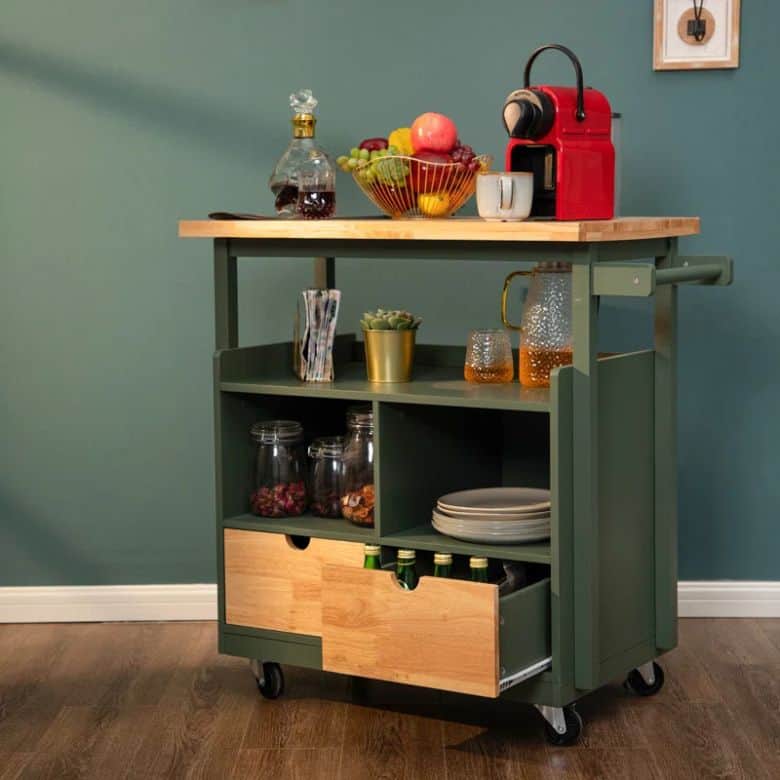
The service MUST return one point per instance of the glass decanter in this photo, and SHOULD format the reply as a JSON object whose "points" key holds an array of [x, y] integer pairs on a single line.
{"points": [[304, 180]]}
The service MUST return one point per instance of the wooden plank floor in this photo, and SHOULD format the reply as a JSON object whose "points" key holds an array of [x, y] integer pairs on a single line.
{"points": [[135, 700]]}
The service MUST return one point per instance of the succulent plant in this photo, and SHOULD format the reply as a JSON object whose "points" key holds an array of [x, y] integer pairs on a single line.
{"points": [[389, 320]]}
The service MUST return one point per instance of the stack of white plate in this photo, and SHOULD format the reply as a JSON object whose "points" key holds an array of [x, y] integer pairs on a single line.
{"points": [[500, 515]]}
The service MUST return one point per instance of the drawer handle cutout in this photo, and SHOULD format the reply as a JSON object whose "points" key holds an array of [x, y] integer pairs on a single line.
{"points": [[298, 542], [401, 587]]}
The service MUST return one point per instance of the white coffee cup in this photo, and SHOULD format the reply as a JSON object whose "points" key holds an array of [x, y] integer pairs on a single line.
{"points": [[505, 195]]}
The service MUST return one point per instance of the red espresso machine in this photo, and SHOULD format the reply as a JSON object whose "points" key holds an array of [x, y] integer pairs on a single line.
{"points": [[563, 135]]}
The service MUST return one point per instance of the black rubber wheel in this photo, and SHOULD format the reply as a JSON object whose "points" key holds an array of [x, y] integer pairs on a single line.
{"points": [[573, 729], [272, 684], [636, 683]]}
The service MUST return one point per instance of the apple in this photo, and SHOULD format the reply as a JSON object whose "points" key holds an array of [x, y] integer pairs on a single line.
{"points": [[433, 133], [428, 177]]}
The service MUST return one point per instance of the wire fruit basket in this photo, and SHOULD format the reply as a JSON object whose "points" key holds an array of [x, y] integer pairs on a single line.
{"points": [[404, 186]]}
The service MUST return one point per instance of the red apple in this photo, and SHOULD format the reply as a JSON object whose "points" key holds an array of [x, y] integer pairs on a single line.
{"points": [[427, 177], [433, 133]]}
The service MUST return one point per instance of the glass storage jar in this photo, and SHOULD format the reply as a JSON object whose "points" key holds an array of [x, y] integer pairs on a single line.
{"points": [[280, 469], [358, 497], [325, 476]]}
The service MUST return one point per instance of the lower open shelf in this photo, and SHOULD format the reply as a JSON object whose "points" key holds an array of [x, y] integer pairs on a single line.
{"points": [[421, 537], [426, 537], [305, 525]]}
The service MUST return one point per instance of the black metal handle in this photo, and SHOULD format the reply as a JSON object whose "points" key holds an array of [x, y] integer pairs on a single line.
{"points": [[580, 115]]}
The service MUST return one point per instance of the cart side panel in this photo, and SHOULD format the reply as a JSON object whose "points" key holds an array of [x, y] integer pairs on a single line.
{"points": [[562, 540], [232, 418], [626, 508]]}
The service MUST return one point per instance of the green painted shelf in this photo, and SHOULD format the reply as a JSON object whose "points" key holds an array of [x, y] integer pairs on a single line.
{"points": [[305, 525], [431, 385], [421, 537], [426, 537]]}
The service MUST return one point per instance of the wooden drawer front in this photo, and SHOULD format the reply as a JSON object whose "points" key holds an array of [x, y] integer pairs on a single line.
{"points": [[443, 634], [270, 583]]}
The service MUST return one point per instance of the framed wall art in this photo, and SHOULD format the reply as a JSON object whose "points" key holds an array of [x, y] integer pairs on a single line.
{"points": [[696, 34]]}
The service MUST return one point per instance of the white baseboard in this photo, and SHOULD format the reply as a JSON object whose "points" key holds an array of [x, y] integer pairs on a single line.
{"points": [[99, 603], [726, 598], [103, 603]]}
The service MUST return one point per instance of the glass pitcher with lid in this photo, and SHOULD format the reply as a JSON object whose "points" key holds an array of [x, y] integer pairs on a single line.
{"points": [[546, 326]]}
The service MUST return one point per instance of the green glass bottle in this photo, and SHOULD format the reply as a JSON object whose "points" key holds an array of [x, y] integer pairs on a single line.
{"points": [[442, 564], [406, 570], [371, 557], [479, 569]]}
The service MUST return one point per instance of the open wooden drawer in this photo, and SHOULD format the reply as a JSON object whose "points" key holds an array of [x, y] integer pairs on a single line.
{"points": [[271, 583], [454, 635]]}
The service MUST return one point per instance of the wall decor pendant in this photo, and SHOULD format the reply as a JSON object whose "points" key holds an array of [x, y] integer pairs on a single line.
{"points": [[696, 34], [696, 25]]}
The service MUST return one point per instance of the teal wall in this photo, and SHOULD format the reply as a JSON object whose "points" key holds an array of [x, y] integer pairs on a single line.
{"points": [[118, 118]]}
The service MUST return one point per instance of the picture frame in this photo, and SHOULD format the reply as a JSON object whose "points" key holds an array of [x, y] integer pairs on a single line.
{"points": [[681, 42]]}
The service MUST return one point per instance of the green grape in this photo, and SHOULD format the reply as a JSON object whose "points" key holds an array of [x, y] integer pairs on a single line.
{"points": [[392, 172], [352, 163], [354, 152], [363, 154], [342, 161], [375, 154]]}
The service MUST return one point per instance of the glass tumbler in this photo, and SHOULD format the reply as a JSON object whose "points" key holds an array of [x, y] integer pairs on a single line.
{"points": [[489, 357]]}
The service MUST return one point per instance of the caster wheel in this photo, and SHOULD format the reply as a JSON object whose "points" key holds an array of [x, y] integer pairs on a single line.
{"points": [[573, 729], [637, 684], [271, 684]]}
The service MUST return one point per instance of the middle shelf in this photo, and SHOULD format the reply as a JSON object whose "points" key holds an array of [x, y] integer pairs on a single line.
{"points": [[437, 381]]}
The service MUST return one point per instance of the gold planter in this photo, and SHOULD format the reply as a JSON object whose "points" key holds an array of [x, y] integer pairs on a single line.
{"points": [[389, 355]]}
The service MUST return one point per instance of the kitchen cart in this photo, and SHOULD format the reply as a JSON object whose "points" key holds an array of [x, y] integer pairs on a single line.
{"points": [[602, 602]]}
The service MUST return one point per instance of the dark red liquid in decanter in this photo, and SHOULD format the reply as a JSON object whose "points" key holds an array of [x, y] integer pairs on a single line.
{"points": [[316, 205], [313, 204], [286, 196]]}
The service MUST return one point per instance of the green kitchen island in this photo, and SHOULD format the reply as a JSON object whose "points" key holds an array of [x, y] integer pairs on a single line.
{"points": [[602, 598]]}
